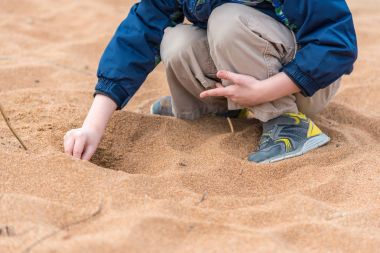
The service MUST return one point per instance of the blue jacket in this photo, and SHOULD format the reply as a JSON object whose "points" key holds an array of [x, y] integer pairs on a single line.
{"points": [[324, 31]]}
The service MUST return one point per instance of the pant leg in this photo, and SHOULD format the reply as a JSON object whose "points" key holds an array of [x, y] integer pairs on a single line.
{"points": [[313, 105], [190, 70], [246, 41]]}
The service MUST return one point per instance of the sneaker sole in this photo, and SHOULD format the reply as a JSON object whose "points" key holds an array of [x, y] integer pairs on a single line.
{"points": [[313, 143], [151, 109]]}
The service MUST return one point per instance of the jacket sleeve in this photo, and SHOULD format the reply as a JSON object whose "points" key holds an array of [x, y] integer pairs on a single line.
{"points": [[134, 49], [328, 47]]}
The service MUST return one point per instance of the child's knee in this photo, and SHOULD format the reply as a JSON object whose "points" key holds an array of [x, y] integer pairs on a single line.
{"points": [[223, 26], [178, 43]]}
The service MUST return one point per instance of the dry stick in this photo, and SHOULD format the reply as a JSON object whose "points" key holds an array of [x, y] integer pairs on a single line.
{"points": [[10, 127], [204, 197], [67, 226], [231, 126]]}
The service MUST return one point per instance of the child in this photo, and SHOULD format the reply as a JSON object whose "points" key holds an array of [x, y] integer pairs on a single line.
{"points": [[281, 60]]}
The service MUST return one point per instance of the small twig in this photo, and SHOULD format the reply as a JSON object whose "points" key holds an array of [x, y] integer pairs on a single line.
{"points": [[231, 126], [241, 171], [7, 231], [190, 228], [10, 127], [65, 227], [204, 197]]}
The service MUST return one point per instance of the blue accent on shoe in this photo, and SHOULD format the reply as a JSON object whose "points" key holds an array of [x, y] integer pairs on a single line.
{"points": [[162, 106]]}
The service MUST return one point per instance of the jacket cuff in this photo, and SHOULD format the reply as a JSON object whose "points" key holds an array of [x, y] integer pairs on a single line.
{"points": [[307, 84], [112, 90]]}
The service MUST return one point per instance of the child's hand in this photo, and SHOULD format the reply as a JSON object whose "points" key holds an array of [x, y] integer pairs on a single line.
{"points": [[242, 91], [82, 142], [248, 91]]}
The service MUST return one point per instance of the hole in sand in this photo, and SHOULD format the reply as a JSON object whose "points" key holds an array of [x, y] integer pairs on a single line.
{"points": [[145, 144]]}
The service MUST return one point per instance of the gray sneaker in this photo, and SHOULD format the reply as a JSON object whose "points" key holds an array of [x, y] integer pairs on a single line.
{"points": [[289, 135], [162, 106]]}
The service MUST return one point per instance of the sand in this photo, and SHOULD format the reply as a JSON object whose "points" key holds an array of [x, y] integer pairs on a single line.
{"points": [[166, 185]]}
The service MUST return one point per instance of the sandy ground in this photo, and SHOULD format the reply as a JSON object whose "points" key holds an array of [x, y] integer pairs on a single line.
{"points": [[165, 185]]}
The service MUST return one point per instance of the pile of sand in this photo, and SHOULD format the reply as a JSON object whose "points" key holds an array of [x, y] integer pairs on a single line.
{"points": [[165, 185]]}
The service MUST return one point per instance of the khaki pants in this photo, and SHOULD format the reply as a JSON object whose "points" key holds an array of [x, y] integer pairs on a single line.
{"points": [[239, 39]]}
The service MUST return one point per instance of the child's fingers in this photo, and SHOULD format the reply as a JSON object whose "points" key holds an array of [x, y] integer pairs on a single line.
{"points": [[78, 147], [68, 145], [88, 152], [227, 75], [217, 92], [235, 78]]}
